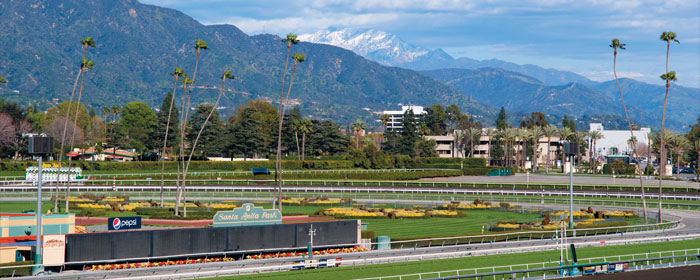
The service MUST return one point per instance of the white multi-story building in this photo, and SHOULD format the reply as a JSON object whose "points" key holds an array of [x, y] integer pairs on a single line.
{"points": [[617, 139], [395, 117]]}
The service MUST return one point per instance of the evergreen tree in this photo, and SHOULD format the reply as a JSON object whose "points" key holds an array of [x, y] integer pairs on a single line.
{"points": [[209, 143], [158, 133], [409, 134], [501, 122]]}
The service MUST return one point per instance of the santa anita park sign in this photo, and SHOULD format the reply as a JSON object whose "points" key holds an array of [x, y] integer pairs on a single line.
{"points": [[247, 215]]}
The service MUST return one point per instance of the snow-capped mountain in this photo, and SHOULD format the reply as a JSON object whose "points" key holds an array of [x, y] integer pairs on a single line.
{"points": [[389, 49], [373, 44]]}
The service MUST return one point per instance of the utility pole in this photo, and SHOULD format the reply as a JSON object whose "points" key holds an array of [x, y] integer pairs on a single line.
{"points": [[39, 145]]}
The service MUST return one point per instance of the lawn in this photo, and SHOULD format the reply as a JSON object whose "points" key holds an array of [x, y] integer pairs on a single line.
{"points": [[469, 262]]}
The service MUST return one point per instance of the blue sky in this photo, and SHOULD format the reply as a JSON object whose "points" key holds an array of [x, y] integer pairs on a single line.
{"points": [[563, 34]]}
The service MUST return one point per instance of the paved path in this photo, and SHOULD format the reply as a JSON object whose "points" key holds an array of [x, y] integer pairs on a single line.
{"points": [[541, 178]]}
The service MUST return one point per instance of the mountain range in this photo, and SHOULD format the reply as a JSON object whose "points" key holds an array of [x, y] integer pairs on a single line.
{"points": [[138, 46], [521, 88]]}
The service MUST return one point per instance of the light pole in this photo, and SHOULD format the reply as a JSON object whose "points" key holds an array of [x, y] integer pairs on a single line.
{"points": [[39, 145]]}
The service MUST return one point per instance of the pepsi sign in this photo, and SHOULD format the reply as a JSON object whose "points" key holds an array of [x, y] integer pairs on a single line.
{"points": [[123, 223]]}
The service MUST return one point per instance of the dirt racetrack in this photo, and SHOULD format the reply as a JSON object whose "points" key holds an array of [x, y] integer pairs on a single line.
{"points": [[686, 272]]}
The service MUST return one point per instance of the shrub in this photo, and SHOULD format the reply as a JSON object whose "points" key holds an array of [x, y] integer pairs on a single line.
{"points": [[367, 234]]}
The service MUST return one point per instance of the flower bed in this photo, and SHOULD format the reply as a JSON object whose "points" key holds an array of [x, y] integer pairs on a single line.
{"points": [[315, 201], [224, 259], [389, 213]]}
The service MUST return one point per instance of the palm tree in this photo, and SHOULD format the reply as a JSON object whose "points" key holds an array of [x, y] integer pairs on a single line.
{"points": [[305, 127], [176, 74], [86, 42], [291, 39], [296, 128], [298, 58], [535, 134], [84, 65], [617, 45], [549, 131], [357, 127], [508, 135], [105, 112], [459, 142], [199, 45], [183, 127], [666, 36], [679, 143], [564, 134], [472, 133], [489, 132], [225, 76], [594, 135], [385, 119], [522, 135]]}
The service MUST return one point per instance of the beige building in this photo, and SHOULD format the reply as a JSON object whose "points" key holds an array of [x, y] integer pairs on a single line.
{"points": [[447, 147]]}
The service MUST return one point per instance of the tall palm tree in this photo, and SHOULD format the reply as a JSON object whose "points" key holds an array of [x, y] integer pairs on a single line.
{"points": [[666, 36], [535, 134], [472, 133], [549, 131], [564, 134], [305, 127], [176, 74], [183, 127], [291, 39], [668, 77], [105, 112], [508, 136], [199, 45], [490, 133], [617, 45], [357, 127], [225, 76], [594, 135], [84, 65], [85, 42], [298, 58]]}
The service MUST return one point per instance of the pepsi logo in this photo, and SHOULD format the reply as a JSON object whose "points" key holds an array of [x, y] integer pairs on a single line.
{"points": [[116, 223]]}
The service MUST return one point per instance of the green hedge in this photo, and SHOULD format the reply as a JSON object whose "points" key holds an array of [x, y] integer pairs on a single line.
{"points": [[482, 171], [194, 165], [467, 162], [626, 169]]}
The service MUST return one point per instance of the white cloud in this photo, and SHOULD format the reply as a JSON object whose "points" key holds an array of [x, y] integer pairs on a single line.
{"points": [[309, 24]]}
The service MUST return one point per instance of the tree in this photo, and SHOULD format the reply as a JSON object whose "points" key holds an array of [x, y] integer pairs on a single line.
{"points": [[183, 129], [305, 127], [409, 133], [564, 134], [459, 136], [425, 148], [490, 133], [170, 97], [209, 134], [84, 65], [617, 45], [472, 133], [357, 127], [679, 144], [549, 131], [138, 121], [535, 119], [436, 120], [594, 136], [225, 76], [385, 119], [535, 133], [290, 39], [7, 129], [666, 36], [501, 122]]}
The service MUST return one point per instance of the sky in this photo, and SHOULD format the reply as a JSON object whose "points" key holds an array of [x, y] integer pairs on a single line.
{"points": [[562, 34]]}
